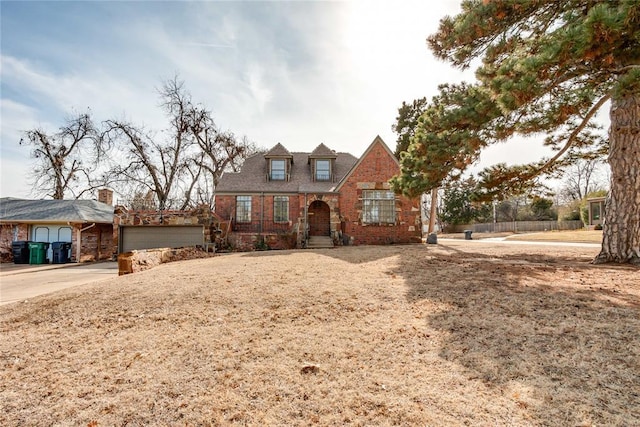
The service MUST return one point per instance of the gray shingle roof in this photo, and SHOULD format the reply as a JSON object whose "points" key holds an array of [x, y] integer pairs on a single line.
{"points": [[278, 151], [323, 151], [253, 176], [20, 210]]}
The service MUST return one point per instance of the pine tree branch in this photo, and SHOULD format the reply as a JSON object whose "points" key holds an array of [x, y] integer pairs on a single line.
{"points": [[625, 69], [572, 138]]}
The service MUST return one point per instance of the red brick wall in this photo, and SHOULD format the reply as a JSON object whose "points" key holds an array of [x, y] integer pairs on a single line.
{"points": [[96, 243], [6, 239], [373, 173], [225, 207], [282, 236]]}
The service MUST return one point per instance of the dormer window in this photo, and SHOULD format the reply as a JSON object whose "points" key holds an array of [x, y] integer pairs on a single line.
{"points": [[322, 161], [278, 170], [323, 170], [278, 164]]}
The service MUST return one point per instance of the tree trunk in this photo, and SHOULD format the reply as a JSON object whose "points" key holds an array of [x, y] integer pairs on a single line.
{"points": [[433, 211], [621, 229]]}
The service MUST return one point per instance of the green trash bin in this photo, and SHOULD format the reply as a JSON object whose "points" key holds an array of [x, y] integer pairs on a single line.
{"points": [[38, 252]]}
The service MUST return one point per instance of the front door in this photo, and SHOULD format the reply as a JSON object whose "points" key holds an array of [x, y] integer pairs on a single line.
{"points": [[319, 219]]}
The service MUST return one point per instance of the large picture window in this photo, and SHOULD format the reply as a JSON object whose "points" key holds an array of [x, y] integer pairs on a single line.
{"points": [[281, 209], [323, 170], [378, 206], [278, 170], [243, 208]]}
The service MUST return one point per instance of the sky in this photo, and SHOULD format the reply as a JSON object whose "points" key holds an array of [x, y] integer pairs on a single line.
{"points": [[296, 72]]}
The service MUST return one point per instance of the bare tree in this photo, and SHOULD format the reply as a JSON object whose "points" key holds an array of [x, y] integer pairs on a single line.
{"points": [[185, 166], [219, 151], [582, 178], [66, 161], [146, 163], [149, 162]]}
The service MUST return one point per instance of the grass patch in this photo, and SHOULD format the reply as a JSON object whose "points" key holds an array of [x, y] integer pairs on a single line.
{"points": [[448, 334], [574, 236]]}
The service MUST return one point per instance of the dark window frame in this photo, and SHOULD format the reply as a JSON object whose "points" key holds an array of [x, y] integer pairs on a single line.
{"points": [[326, 176], [281, 173], [378, 207], [280, 209], [243, 209]]}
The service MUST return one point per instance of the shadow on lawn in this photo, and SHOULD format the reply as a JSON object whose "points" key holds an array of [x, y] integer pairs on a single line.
{"points": [[561, 335], [558, 334]]}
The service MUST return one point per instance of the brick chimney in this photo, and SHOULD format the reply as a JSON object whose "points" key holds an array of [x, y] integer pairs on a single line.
{"points": [[105, 196]]}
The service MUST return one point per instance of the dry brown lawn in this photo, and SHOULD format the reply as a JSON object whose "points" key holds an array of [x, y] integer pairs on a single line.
{"points": [[577, 236], [571, 236], [462, 333]]}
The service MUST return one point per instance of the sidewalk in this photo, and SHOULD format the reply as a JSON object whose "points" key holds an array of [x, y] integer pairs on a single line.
{"points": [[8, 269], [20, 282], [502, 240]]}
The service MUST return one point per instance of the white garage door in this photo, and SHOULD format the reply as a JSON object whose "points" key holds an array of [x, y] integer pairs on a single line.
{"points": [[50, 233], [134, 237]]}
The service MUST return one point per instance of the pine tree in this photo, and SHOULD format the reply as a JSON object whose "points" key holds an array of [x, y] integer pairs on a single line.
{"points": [[547, 68]]}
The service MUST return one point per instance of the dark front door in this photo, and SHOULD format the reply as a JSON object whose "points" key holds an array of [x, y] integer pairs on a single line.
{"points": [[319, 219]]}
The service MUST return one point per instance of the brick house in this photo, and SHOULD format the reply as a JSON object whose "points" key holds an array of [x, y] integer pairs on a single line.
{"points": [[283, 199], [86, 224]]}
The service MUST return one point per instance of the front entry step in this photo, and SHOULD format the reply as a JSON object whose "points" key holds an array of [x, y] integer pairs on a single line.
{"points": [[319, 242]]}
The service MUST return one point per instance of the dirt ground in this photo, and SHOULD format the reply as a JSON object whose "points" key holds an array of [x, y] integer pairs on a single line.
{"points": [[459, 333]]}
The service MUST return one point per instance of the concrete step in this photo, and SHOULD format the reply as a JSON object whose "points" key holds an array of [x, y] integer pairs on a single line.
{"points": [[319, 242]]}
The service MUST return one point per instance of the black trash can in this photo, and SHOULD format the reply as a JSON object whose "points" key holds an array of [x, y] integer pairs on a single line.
{"points": [[60, 252], [20, 251], [432, 239], [467, 234]]}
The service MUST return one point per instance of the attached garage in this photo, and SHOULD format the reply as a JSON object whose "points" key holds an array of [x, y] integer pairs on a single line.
{"points": [[86, 224], [136, 237], [51, 233]]}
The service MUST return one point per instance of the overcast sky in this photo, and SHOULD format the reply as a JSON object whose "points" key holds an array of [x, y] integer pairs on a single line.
{"points": [[298, 73]]}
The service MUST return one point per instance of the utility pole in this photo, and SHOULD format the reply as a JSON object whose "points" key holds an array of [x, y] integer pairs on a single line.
{"points": [[432, 212]]}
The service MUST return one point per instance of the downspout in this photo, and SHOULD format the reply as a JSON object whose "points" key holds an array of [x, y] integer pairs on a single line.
{"points": [[306, 220], [78, 244], [261, 212]]}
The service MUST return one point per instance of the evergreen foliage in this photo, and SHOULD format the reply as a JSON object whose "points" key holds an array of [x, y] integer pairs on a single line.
{"points": [[546, 69]]}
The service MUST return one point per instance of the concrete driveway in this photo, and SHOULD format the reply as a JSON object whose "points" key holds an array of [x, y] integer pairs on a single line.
{"points": [[19, 282]]}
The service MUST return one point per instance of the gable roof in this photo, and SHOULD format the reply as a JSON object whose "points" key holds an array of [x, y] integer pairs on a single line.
{"points": [[278, 151], [376, 141], [252, 177], [20, 210], [322, 151]]}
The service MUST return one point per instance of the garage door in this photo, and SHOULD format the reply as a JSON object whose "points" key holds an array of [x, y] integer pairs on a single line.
{"points": [[161, 236], [50, 233]]}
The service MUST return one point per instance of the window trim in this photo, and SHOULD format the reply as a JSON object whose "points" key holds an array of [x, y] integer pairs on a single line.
{"points": [[328, 176], [284, 170], [284, 200], [246, 209], [383, 202]]}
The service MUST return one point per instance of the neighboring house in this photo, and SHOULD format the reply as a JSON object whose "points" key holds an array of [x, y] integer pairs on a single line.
{"points": [[285, 198], [86, 224], [596, 211]]}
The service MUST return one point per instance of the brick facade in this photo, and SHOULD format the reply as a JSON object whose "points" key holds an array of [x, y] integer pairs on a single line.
{"points": [[373, 172], [343, 196], [96, 243], [10, 233]]}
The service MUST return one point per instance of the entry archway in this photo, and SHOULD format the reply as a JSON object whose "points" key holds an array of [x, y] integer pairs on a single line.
{"points": [[319, 215]]}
